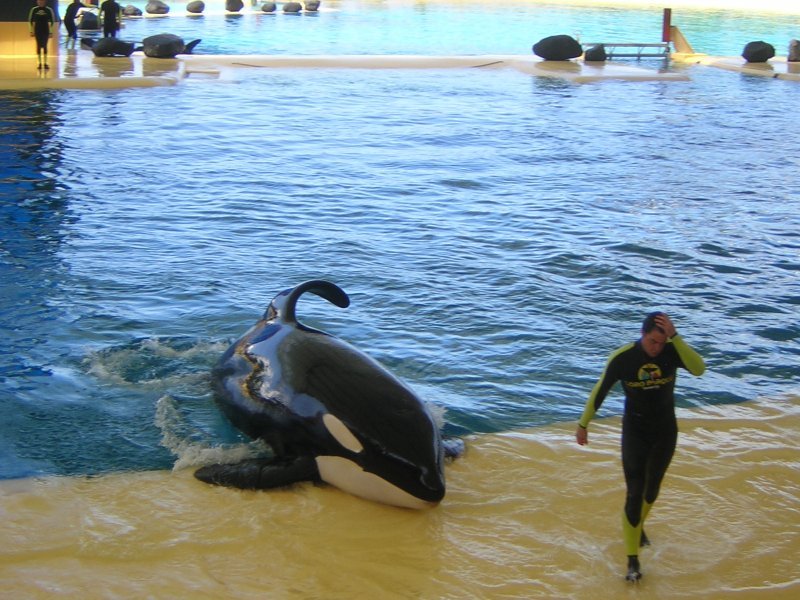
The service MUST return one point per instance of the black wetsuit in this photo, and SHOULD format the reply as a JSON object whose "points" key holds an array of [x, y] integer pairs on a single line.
{"points": [[649, 426], [41, 19], [111, 13], [69, 19]]}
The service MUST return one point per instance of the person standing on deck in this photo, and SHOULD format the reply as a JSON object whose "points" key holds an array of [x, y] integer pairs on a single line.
{"points": [[42, 20], [70, 16], [647, 370], [111, 15]]}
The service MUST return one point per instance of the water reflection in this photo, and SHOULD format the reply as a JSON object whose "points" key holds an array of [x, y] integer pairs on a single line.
{"points": [[34, 213], [160, 67], [117, 66], [69, 61]]}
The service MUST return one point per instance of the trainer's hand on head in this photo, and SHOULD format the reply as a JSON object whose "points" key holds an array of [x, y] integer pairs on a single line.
{"points": [[665, 323], [582, 435]]}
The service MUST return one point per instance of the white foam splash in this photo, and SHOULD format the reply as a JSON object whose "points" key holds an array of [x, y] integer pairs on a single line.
{"points": [[191, 453], [113, 364], [160, 348], [438, 412]]}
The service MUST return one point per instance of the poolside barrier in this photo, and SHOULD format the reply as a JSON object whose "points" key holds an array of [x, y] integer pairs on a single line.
{"points": [[600, 51]]}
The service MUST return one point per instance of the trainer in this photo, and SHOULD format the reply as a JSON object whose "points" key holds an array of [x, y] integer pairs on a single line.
{"points": [[647, 370], [41, 20]]}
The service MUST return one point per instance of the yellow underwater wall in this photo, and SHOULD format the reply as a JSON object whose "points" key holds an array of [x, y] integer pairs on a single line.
{"points": [[528, 514]]}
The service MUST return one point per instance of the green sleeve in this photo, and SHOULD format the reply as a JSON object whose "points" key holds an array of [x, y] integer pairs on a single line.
{"points": [[591, 406], [692, 361], [601, 388]]}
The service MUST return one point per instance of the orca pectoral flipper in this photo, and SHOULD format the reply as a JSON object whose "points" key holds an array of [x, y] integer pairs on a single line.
{"points": [[260, 473]]}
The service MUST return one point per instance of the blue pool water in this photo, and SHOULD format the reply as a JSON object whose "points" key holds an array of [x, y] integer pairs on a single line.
{"points": [[441, 27], [498, 234]]}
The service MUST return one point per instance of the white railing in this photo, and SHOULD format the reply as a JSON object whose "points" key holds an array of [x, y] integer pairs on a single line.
{"points": [[632, 50]]}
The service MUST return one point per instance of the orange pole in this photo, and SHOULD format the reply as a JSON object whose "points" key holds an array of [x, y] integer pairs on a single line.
{"points": [[665, 26]]}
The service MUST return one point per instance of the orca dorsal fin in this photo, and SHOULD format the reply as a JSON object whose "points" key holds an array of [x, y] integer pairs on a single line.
{"points": [[283, 306], [190, 46]]}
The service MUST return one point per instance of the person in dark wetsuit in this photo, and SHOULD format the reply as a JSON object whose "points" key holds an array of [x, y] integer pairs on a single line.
{"points": [[647, 369], [42, 20], [69, 20], [111, 14]]}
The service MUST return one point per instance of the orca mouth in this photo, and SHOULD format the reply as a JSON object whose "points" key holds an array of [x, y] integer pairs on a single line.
{"points": [[429, 491], [429, 486], [421, 481], [377, 486], [433, 495]]}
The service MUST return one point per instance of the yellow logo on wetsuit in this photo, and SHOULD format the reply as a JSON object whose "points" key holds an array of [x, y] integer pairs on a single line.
{"points": [[650, 376]]}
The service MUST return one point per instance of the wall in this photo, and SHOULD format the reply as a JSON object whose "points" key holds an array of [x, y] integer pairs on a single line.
{"points": [[15, 39]]}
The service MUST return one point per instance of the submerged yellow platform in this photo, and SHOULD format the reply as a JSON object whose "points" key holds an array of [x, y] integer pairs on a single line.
{"points": [[79, 69]]}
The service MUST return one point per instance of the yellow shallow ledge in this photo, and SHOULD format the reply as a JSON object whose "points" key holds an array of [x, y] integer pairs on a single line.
{"points": [[528, 514], [81, 69]]}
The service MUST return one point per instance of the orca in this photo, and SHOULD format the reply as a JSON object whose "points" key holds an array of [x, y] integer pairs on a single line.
{"points": [[111, 47], [166, 45], [329, 412]]}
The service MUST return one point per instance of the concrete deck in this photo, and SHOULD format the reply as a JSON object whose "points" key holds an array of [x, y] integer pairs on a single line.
{"points": [[777, 68], [80, 69]]}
